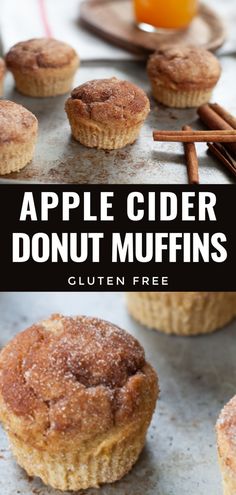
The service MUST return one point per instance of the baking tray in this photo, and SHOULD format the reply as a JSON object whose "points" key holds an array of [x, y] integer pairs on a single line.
{"points": [[197, 377], [60, 159]]}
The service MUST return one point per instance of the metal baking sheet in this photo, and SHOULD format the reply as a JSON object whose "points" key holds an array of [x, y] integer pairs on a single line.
{"points": [[197, 377], [60, 159]]}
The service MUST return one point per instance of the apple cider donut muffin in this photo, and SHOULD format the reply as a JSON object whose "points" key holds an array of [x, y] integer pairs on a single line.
{"points": [[183, 76], [76, 399], [226, 442], [107, 113], [42, 66], [18, 133], [183, 313], [2, 75]]}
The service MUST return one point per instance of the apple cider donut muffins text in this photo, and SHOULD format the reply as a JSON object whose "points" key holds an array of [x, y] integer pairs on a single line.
{"points": [[183, 77], [42, 66], [76, 399], [2, 75], [18, 133], [107, 113], [226, 441], [183, 313]]}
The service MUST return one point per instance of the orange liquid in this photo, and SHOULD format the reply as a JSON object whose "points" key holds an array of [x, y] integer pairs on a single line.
{"points": [[170, 14]]}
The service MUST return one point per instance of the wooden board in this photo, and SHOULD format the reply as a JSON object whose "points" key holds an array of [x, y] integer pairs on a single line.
{"points": [[113, 20]]}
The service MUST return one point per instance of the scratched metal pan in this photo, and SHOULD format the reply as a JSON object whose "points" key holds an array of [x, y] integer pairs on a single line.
{"points": [[60, 159], [197, 376]]}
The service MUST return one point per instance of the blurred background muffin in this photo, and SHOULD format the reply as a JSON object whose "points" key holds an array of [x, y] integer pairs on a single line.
{"points": [[42, 66], [182, 313], [183, 76], [2, 75]]}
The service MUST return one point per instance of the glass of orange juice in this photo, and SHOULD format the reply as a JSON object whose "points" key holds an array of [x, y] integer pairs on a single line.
{"points": [[153, 15]]}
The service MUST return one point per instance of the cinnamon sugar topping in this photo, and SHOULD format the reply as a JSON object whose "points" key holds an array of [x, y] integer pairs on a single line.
{"points": [[17, 124], [40, 53], [110, 99], [79, 372]]}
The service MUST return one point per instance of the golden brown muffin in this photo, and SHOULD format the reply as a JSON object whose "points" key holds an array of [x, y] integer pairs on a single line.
{"points": [[182, 313], [2, 75], [18, 134], [76, 399], [42, 66], [183, 76], [226, 440], [107, 113]]}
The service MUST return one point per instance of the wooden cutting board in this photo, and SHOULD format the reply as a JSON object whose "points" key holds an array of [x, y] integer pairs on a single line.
{"points": [[113, 20]]}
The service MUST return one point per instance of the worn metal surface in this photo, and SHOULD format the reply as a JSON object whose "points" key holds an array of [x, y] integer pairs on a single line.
{"points": [[197, 376], [59, 158]]}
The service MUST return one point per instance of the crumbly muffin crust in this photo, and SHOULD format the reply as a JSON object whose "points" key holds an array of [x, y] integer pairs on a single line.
{"points": [[73, 376], [17, 124], [40, 53], [109, 100], [226, 433], [185, 68]]}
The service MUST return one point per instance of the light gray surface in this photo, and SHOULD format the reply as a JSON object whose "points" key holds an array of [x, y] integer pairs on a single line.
{"points": [[59, 158], [197, 376]]}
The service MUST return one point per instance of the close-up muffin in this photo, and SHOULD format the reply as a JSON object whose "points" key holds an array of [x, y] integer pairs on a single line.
{"points": [[42, 66], [107, 113], [2, 75], [183, 77], [18, 134], [76, 399], [182, 313], [226, 443]]}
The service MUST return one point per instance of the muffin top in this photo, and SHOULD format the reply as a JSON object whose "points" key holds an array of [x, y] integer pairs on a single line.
{"points": [[73, 375], [226, 432], [40, 53], [2, 67], [17, 123], [184, 68], [109, 100]]}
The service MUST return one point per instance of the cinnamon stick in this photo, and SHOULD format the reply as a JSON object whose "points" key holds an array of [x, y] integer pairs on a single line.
{"points": [[222, 112], [215, 121], [223, 156], [191, 159], [189, 136]]}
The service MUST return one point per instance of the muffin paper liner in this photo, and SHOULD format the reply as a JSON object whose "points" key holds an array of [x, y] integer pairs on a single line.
{"points": [[107, 462], [43, 86], [180, 99], [13, 157], [182, 313], [95, 135]]}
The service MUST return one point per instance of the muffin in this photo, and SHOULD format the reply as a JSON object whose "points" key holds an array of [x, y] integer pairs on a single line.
{"points": [[18, 133], [2, 75], [107, 113], [182, 313], [183, 76], [76, 399], [225, 429], [42, 66]]}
